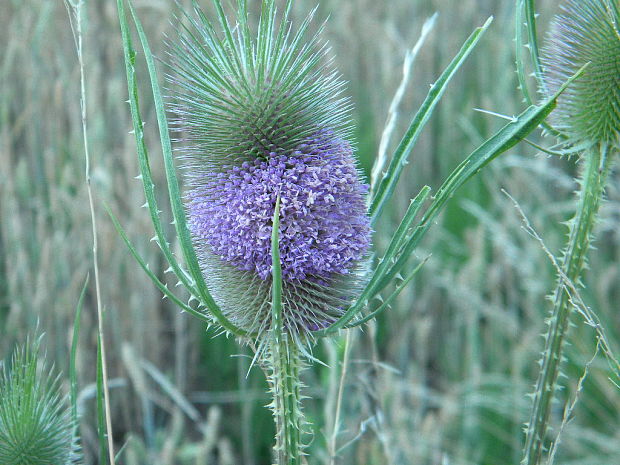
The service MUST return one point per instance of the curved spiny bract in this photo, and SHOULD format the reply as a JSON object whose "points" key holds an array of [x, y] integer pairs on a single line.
{"points": [[586, 32], [260, 117]]}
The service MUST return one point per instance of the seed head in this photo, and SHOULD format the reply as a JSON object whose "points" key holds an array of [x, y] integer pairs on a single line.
{"points": [[586, 31], [36, 427], [260, 118]]}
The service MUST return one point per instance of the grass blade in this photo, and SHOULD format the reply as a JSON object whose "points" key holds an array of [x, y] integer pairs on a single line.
{"points": [[101, 423], [74, 345]]}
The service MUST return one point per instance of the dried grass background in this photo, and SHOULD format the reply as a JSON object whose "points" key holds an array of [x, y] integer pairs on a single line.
{"points": [[442, 378]]}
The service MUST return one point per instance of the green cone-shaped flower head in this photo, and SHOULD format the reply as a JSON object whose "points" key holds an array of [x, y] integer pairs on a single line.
{"points": [[36, 426], [586, 31], [261, 115]]}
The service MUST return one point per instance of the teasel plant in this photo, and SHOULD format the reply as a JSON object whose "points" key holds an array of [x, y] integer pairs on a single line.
{"points": [[38, 425], [274, 223], [586, 123]]}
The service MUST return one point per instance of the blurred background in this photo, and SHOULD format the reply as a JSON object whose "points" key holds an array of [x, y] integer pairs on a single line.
{"points": [[442, 378]]}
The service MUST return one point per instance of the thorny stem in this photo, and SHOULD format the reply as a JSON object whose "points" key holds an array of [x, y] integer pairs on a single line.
{"points": [[78, 34], [592, 186], [284, 366]]}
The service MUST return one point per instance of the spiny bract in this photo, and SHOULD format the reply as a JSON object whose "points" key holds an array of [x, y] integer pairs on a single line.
{"points": [[260, 118], [36, 427], [586, 32]]}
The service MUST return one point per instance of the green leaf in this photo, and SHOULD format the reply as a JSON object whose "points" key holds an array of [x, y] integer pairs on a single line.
{"points": [[276, 273], [519, 45], [399, 160], [143, 159], [504, 139], [173, 186], [391, 253], [385, 305], [530, 14], [161, 286]]}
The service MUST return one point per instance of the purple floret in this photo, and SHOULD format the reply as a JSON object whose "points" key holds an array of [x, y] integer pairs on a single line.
{"points": [[324, 228]]}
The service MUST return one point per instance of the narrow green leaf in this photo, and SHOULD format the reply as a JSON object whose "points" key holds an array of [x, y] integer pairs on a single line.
{"points": [[530, 15], [384, 306], [173, 185], [504, 139], [74, 346], [519, 45], [399, 160], [276, 273], [161, 286], [399, 239], [101, 428], [395, 245], [143, 159]]}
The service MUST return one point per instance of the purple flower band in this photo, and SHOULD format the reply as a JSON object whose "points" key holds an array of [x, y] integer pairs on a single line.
{"points": [[324, 228]]}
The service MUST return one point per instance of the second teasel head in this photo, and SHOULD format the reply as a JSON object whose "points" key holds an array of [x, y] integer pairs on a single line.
{"points": [[586, 31], [261, 115]]}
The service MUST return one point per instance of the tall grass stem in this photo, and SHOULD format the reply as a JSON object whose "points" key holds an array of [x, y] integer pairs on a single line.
{"points": [[333, 440], [78, 36]]}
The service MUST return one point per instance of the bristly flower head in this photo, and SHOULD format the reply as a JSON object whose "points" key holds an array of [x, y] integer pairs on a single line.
{"points": [[36, 426], [262, 117], [587, 31]]}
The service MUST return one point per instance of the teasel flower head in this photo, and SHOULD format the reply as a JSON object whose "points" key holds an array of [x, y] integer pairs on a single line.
{"points": [[261, 117], [36, 425], [586, 32]]}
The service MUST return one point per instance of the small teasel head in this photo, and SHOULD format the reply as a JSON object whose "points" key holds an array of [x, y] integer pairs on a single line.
{"points": [[586, 31], [261, 115], [36, 425]]}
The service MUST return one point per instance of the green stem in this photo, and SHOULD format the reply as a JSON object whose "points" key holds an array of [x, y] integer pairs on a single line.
{"points": [[590, 194], [285, 364]]}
